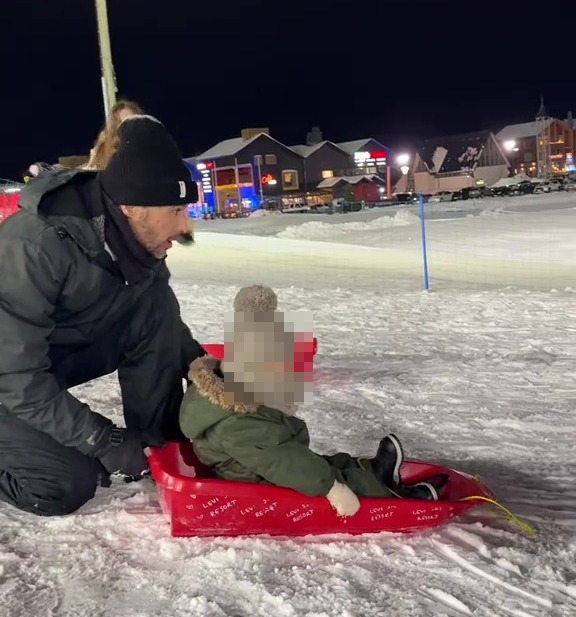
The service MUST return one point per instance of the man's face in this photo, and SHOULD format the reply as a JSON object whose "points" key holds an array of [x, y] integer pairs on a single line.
{"points": [[156, 227]]}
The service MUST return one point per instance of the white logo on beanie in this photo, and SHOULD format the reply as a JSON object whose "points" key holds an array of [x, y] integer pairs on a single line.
{"points": [[182, 189]]}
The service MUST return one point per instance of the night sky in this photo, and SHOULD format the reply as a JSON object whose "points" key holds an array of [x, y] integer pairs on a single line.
{"points": [[397, 71]]}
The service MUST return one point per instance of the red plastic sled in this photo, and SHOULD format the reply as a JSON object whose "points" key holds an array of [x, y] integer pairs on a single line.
{"points": [[304, 352], [197, 504]]}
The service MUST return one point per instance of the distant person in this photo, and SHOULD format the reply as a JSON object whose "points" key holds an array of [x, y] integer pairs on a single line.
{"points": [[107, 141], [105, 146], [84, 291]]}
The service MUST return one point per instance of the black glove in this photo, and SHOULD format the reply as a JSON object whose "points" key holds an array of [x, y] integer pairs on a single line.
{"points": [[124, 454]]}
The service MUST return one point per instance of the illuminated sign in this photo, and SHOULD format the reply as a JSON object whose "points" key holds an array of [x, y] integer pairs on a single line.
{"points": [[379, 154], [204, 169], [269, 180], [374, 157]]}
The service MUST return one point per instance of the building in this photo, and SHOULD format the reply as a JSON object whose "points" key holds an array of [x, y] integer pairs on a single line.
{"points": [[456, 162], [240, 173], [367, 187], [322, 160], [370, 170], [542, 148], [356, 170], [367, 156]]}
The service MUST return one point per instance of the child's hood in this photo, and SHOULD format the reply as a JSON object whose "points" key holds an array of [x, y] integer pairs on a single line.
{"points": [[204, 405]]}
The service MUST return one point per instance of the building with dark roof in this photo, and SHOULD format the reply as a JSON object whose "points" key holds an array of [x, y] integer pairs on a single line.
{"points": [[321, 161], [240, 173], [456, 162]]}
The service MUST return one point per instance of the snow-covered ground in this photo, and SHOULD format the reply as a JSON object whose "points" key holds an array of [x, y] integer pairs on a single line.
{"points": [[480, 379], [521, 241]]}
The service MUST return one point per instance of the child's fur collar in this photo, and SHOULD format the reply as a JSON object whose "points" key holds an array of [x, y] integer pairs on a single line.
{"points": [[205, 374]]}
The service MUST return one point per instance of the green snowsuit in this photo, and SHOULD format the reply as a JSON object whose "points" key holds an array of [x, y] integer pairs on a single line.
{"points": [[261, 444]]}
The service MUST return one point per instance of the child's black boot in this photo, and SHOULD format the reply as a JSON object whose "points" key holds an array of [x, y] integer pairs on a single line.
{"points": [[388, 461]]}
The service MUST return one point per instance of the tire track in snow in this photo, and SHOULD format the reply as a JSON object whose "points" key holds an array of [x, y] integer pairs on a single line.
{"points": [[450, 554], [449, 601], [518, 612], [467, 539]]}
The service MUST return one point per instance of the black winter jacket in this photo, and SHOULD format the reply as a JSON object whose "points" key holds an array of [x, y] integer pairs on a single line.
{"points": [[59, 286]]}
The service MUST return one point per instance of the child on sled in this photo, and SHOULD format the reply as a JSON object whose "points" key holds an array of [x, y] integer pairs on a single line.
{"points": [[239, 415]]}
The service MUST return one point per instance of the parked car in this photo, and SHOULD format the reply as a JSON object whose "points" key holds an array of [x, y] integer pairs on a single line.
{"points": [[441, 196], [526, 187], [406, 198]]}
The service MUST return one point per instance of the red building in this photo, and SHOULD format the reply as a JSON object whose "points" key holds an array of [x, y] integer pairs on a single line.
{"points": [[369, 187]]}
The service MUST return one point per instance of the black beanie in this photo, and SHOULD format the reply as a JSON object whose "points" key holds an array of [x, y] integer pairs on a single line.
{"points": [[147, 169]]}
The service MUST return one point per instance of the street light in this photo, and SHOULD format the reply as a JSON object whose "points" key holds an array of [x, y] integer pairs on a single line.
{"points": [[511, 145], [403, 160]]}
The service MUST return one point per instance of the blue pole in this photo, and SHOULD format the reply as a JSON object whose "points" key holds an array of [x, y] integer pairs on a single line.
{"points": [[424, 247]]}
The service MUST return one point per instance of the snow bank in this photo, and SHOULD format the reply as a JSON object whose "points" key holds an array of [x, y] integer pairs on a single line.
{"points": [[315, 230]]}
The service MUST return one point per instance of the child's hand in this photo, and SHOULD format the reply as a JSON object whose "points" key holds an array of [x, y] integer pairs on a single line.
{"points": [[343, 500]]}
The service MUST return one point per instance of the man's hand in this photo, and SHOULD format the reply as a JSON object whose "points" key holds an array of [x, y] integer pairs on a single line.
{"points": [[124, 454]]}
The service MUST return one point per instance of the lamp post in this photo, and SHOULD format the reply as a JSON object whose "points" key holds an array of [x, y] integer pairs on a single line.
{"points": [[511, 146], [108, 79], [403, 162]]}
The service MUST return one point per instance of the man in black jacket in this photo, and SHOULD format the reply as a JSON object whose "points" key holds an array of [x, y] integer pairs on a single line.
{"points": [[84, 291]]}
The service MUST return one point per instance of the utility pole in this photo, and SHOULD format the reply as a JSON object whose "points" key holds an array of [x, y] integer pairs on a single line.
{"points": [[108, 78]]}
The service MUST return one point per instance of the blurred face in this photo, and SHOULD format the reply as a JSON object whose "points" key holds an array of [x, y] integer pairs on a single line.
{"points": [[156, 227], [258, 365], [276, 383]]}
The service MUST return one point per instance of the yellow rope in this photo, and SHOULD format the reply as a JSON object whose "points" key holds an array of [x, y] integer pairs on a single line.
{"points": [[511, 517], [525, 527]]}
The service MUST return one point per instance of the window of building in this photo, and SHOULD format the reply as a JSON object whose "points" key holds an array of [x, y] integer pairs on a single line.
{"points": [[290, 180], [327, 173], [258, 159], [271, 159]]}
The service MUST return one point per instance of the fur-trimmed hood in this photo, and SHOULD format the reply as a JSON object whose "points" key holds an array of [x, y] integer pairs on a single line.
{"points": [[206, 376]]}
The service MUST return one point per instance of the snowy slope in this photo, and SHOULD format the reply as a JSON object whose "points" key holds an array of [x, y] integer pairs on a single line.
{"points": [[480, 380]]}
